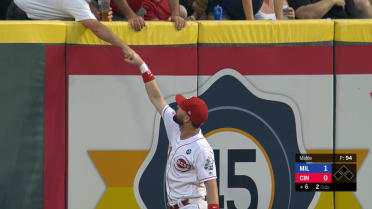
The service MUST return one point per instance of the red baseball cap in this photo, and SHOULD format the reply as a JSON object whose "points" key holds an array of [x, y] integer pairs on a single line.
{"points": [[194, 107]]}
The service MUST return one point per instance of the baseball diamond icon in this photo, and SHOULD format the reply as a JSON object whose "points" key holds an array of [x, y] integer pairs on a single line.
{"points": [[343, 172]]}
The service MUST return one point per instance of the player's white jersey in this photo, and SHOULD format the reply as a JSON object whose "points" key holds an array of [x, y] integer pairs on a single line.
{"points": [[190, 162]]}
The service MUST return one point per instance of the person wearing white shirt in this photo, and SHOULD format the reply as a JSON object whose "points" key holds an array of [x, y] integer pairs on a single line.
{"points": [[267, 12], [78, 10]]}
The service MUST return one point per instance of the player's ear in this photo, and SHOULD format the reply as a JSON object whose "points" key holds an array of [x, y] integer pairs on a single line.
{"points": [[186, 119]]}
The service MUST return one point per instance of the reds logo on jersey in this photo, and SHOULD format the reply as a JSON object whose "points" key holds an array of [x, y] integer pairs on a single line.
{"points": [[182, 164]]}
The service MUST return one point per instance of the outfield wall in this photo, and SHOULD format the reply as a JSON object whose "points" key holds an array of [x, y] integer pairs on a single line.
{"points": [[79, 132]]}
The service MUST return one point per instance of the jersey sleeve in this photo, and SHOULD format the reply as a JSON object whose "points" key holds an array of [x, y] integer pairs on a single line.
{"points": [[171, 127], [205, 166]]}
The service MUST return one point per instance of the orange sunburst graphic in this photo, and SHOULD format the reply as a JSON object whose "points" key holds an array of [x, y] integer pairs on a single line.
{"points": [[344, 200], [118, 170]]}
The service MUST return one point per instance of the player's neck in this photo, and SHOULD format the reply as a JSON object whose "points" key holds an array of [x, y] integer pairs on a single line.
{"points": [[187, 132]]}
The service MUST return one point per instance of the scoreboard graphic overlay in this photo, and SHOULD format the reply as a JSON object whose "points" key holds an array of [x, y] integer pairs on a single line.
{"points": [[325, 172]]}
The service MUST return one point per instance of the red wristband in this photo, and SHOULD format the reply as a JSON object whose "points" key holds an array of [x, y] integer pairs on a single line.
{"points": [[213, 206], [147, 76]]}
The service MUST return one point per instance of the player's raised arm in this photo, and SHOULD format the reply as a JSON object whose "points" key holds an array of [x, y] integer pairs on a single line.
{"points": [[152, 88]]}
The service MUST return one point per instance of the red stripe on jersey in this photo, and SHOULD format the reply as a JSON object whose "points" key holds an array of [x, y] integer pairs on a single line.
{"points": [[206, 179]]}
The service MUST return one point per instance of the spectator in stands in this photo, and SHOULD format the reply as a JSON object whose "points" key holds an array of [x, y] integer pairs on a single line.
{"points": [[127, 9], [175, 16], [233, 9], [161, 10], [188, 6], [3, 8], [267, 11], [363, 8], [130, 9], [337, 9], [200, 9], [97, 13], [67, 10]]}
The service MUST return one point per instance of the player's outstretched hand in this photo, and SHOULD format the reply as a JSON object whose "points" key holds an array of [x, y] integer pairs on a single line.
{"points": [[134, 59]]}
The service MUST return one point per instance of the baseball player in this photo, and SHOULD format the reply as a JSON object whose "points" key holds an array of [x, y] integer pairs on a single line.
{"points": [[190, 171]]}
